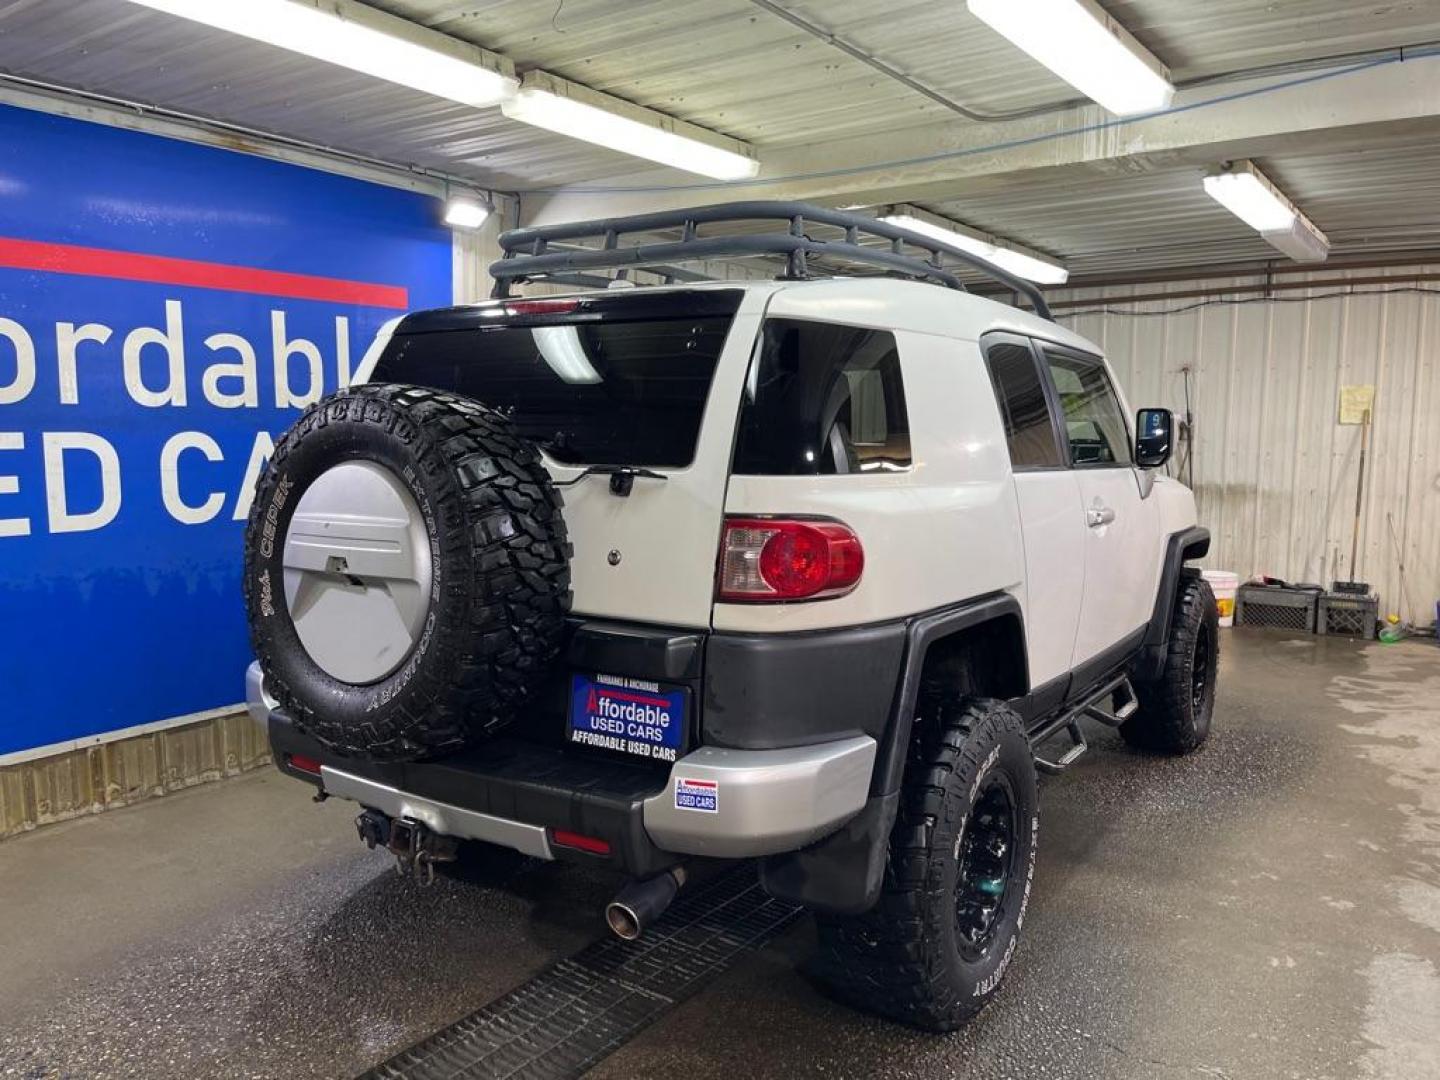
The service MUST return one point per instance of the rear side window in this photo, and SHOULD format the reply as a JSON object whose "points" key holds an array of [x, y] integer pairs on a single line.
{"points": [[821, 399], [598, 393], [1020, 393], [1094, 422]]}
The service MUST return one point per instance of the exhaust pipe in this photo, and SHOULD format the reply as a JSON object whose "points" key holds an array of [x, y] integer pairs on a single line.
{"points": [[640, 903]]}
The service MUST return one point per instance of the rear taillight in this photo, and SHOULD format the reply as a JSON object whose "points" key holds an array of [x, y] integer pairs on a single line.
{"points": [[771, 559]]}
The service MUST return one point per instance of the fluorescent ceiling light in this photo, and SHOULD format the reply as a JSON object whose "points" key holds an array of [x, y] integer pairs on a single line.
{"points": [[581, 113], [1248, 194], [466, 213], [1029, 265], [362, 39], [1083, 45], [1250, 197], [955, 235], [1302, 241]]}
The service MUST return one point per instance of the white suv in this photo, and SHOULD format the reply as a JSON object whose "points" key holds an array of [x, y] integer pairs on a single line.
{"points": [[833, 560]]}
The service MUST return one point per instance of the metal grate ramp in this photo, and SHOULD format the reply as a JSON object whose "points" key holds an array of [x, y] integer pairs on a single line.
{"points": [[582, 1009]]}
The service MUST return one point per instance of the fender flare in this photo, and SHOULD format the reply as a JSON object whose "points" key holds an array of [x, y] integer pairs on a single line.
{"points": [[1191, 543], [844, 872], [919, 635]]}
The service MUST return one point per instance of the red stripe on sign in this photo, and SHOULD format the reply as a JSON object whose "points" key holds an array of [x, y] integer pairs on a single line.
{"points": [[623, 695], [163, 270], [698, 783]]}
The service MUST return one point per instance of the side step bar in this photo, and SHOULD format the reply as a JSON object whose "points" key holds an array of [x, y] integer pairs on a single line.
{"points": [[1093, 706]]}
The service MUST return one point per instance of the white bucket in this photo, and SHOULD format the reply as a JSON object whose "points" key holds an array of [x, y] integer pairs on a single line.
{"points": [[1223, 583]]}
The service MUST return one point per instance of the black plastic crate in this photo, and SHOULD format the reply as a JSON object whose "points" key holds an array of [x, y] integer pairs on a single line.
{"points": [[1348, 615], [1351, 588], [1278, 608]]}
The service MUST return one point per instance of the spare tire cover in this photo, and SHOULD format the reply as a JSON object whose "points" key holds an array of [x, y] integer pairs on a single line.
{"points": [[406, 572]]}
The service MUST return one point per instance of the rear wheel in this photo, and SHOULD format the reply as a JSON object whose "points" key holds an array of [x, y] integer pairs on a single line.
{"points": [[932, 952], [1176, 708]]}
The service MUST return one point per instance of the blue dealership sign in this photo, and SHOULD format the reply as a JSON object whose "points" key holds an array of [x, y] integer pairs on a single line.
{"points": [[166, 310]]}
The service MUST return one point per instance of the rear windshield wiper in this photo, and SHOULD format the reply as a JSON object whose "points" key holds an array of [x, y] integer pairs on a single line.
{"points": [[622, 477]]}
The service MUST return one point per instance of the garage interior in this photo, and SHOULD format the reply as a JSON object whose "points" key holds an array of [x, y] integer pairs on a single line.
{"points": [[1266, 907]]}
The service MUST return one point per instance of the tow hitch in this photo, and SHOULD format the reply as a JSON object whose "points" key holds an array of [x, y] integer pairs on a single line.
{"points": [[416, 848]]}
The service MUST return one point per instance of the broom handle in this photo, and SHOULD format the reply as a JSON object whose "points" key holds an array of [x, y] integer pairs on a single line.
{"points": [[1359, 495]]}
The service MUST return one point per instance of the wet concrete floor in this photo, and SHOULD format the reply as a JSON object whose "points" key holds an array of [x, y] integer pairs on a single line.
{"points": [[1269, 907]]}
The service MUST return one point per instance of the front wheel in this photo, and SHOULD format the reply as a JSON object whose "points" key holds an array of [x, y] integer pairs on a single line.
{"points": [[1176, 708], [962, 857]]}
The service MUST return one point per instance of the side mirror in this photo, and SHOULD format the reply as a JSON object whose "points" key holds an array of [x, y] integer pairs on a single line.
{"points": [[1153, 429]]}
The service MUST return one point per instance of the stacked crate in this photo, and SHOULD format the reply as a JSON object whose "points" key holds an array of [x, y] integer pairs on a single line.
{"points": [[1347, 610], [1275, 607], [1348, 614]]}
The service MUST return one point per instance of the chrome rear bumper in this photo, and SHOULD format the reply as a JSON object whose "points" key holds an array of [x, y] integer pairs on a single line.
{"points": [[439, 817]]}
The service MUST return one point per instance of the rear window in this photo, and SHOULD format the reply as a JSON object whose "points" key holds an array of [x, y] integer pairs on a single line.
{"points": [[823, 398], [611, 392]]}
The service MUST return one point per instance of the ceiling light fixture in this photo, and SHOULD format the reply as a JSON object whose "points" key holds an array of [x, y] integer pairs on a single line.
{"points": [[1030, 265], [466, 212], [1250, 195], [362, 39], [1081, 43], [570, 109]]}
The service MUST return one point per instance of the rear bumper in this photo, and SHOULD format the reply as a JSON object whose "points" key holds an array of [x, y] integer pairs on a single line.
{"points": [[517, 794], [439, 817], [766, 801]]}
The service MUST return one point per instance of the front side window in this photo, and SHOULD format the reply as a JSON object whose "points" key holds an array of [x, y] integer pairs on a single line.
{"points": [[1094, 422], [1020, 393], [820, 399]]}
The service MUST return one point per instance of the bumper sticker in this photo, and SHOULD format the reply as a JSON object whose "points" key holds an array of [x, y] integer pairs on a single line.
{"points": [[701, 795]]}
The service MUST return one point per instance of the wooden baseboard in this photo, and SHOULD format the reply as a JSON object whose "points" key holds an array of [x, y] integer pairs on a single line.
{"points": [[121, 773]]}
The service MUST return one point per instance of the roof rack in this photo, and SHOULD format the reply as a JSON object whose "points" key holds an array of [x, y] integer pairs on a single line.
{"points": [[531, 253]]}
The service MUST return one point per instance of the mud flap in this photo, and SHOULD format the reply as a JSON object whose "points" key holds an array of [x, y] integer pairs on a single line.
{"points": [[843, 873]]}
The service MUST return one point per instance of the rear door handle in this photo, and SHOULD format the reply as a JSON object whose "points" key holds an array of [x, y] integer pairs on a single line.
{"points": [[1097, 516]]}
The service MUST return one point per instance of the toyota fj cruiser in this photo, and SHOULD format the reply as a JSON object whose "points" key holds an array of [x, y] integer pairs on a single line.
{"points": [[835, 559]]}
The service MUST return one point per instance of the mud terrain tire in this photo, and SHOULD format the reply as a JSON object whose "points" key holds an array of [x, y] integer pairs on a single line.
{"points": [[923, 955], [485, 603], [1176, 708]]}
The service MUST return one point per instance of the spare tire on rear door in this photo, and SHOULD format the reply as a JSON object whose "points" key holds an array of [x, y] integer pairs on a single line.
{"points": [[406, 572]]}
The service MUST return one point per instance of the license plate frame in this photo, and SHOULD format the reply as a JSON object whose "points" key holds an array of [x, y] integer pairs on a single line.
{"points": [[638, 718]]}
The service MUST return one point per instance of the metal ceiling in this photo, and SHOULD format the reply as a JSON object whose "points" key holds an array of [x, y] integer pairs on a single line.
{"points": [[1375, 197], [736, 67], [733, 66]]}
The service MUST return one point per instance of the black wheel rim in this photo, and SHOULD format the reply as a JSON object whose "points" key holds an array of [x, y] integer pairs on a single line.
{"points": [[1200, 669], [986, 857]]}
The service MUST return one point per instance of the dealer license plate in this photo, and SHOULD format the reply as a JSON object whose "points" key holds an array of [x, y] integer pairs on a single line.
{"points": [[632, 716]]}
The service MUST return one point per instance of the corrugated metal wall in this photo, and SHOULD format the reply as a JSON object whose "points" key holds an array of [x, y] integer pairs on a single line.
{"points": [[1275, 473]]}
